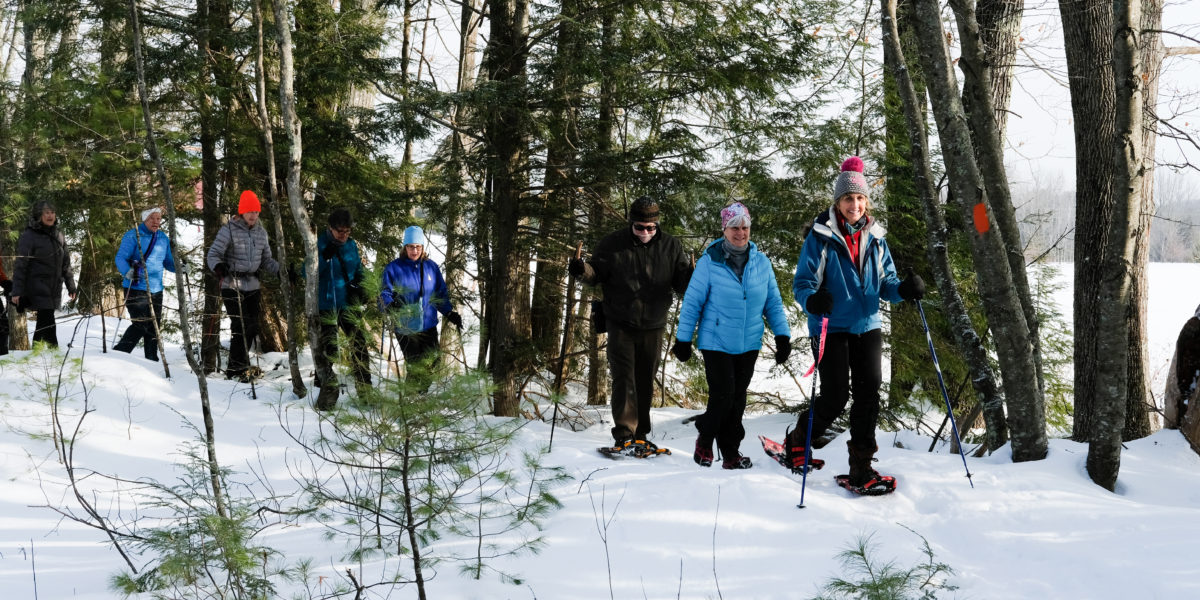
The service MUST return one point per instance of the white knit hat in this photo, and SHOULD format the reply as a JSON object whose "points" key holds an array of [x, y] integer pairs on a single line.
{"points": [[149, 211]]}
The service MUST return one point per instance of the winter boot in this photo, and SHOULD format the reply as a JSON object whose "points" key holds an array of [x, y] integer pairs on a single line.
{"points": [[735, 460], [703, 454], [794, 445], [861, 456]]}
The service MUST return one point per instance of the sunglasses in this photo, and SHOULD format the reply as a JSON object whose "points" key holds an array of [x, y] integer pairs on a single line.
{"points": [[640, 227], [341, 230]]}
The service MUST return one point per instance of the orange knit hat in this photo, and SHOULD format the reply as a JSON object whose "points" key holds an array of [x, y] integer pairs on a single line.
{"points": [[248, 203]]}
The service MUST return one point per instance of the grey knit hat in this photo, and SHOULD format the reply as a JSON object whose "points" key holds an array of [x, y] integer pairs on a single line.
{"points": [[851, 179]]}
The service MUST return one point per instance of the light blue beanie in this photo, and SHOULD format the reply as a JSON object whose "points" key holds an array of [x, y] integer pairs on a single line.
{"points": [[414, 236]]}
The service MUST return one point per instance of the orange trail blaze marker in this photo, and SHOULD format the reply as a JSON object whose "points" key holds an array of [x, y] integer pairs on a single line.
{"points": [[981, 218]]}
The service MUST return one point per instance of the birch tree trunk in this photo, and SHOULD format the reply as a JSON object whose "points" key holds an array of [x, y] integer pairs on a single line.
{"points": [[1116, 249], [210, 439], [268, 141], [291, 121], [983, 380], [1014, 346], [1139, 407]]}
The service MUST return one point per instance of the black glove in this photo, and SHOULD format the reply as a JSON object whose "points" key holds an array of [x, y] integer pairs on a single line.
{"points": [[912, 288], [7, 285], [135, 269], [783, 349], [575, 267], [221, 270], [455, 319], [330, 251], [682, 350], [820, 303]]}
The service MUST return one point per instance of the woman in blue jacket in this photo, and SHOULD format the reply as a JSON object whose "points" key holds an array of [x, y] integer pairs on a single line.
{"points": [[414, 291], [144, 254], [844, 269], [731, 291]]}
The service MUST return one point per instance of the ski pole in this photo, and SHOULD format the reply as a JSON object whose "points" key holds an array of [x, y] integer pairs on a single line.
{"points": [[247, 341], [812, 408], [945, 396]]}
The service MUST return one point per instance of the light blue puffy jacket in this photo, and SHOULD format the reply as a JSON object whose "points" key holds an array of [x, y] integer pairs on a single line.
{"points": [[134, 247], [730, 312]]}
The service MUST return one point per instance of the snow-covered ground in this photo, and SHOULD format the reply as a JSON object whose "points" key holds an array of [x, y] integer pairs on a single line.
{"points": [[661, 528]]}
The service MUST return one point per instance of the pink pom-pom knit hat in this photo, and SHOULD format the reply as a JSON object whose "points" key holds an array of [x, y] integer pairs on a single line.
{"points": [[851, 179]]}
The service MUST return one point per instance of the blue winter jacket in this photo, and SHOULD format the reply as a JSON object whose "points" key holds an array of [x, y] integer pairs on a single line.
{"points": [[133, 248], [416, 291], [331, 278], [825, 261], [730, 312]]}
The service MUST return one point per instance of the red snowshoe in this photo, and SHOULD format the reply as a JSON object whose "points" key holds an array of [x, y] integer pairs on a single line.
{"points": [[779, 454]]}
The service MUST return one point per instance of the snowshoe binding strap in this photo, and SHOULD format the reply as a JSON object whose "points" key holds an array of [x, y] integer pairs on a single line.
{"points": [[634, 448], [877, 485]]}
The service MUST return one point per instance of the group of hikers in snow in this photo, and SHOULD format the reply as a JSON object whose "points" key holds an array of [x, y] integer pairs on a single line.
{"points": [[844, 269], [730, 295], [413, 289]]}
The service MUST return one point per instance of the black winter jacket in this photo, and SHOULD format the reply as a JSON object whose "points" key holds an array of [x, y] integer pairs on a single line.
{"points": [[637, 278], [42, 266]]}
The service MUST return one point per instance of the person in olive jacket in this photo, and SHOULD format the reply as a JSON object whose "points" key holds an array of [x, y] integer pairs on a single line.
{"points": [[340, 296], [637, 267], [41, 269]]}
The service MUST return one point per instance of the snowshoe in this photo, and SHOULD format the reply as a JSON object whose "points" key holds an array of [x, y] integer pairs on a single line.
{"points": [[633, 448], [737, 462], [877, 485], [779, 454]]}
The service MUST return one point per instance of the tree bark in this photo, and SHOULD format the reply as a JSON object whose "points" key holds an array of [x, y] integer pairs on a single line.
{"points": [[463, 185], [210, 336], [1116, 249], [602, 172], [268, 142], [210, 440], [507, 130], [1014, 346], [1087, 33], [989, 153], [296, 200], [967, 340], [556, 214], [1139, 409], [1000, 35]]}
